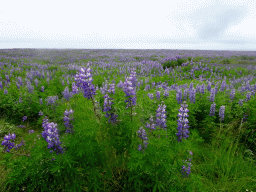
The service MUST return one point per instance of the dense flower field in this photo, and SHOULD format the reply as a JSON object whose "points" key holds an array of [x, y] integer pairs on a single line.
{"points": [[127, 120]]}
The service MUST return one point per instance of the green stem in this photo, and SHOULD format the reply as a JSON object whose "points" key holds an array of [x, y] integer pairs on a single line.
{"points": [[94, 109]]}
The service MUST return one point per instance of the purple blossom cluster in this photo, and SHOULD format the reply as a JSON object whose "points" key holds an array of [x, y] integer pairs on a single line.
{"points": [[84, 81], [109, 111], [183, 122], [129, 87], [161, 117], [67, 94], [51, 135], [8, 144], [67, 119], [143, 136], [186, 170], [151, 125]]}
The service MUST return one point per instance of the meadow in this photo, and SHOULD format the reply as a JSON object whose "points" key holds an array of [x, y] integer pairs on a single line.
{"points": [[127, 120]]}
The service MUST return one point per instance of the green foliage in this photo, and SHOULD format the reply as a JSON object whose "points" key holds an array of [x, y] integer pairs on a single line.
{"points": [[246, 57], [101, 156], [180, 61], [169, 64], [139, 58], [225, 61]]}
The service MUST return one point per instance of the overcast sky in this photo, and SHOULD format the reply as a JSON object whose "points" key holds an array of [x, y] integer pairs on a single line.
{"points": [[131, 24]]}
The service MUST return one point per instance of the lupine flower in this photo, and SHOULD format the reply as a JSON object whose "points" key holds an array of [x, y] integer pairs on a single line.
{"points": [[232, 94], [67, 94], [8, 144], [20, 81], [221, 113], [143, 136], [158, 95], [7, 78], [24, 118], [248, 96], [40, 113], [183, 122], [107, 108], [74, 88], [84, 81], [166, 94], [67, 119], [151, 125], [42, 89], [20, 100], [50, 134], [111, 88], [212, 96], [51, 99], [30, 87], [41, 101], [188, 169], [209, 86], [179, 96], [129, 90], [5, 91], [36, 82], [18, 86], [240, 102], [1, 85], [31, 131], [151, 96], [147, 87], [161, 117], [192, 95], [212, 110], [202, 88], [223, 85]]}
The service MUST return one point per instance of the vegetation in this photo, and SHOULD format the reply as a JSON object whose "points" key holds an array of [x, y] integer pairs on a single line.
{"points": [[140, 141]]}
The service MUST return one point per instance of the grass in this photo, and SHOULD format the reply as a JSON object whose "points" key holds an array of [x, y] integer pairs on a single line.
{"points": [[109, 161]]}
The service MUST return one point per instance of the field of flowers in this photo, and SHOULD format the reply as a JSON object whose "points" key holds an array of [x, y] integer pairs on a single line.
{"points": [[127, 120]]}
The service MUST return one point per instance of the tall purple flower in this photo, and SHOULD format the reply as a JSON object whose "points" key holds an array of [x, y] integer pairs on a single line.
{"points": [[67, 119], [248, 96], [30, 87], [74, 88], [158, 95], [143, 136], [107, 108], [212, 110], [179, 96], [151, 125], [50, 134], [232, 94], [84, 81], [222, 112], [183, 122], [129, 89], [67, 94], [187, 170], [192, 95], [161, 117], [212, 96]]}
